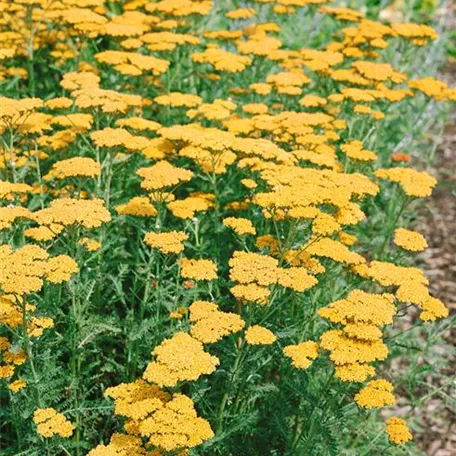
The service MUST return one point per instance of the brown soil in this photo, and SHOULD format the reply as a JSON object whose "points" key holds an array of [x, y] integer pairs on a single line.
{"points": [[438, 224]]}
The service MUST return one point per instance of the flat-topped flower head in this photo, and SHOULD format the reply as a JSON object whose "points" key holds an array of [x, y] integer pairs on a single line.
{"points": [[361, 307], [136, 400], [181, 358], [347, 350], [259, 335], [163, 175], [90, 213], [251, 293], [49, 423], [298, 279], [188, 207], [222, 60], [74, 167], [24, 270], [398, 431], [139, 206], [211, 324], [177, 100], [302, 355], [240, 225], [248, 267], [377, 393], [415, 183], [171, 242], [176, 425], [409, 240], [354, 372], [198, 269], [9, 189]]}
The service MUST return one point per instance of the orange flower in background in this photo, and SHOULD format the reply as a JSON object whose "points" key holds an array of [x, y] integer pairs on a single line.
{"points": [[400, 157]]}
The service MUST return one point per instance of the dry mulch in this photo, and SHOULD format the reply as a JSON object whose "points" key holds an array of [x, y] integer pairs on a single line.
{"points": [[438, 224]]}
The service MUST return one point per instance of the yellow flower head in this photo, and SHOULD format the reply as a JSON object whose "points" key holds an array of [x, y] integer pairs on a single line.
{"points": [[49, 423], [251, 293], [176, 425], [409, 240], [240, 225], [178, 359], [248, 267], [74, 167], [69, 211], [414, 183], [162, 175], [211, 324], [377, 393], [139, 206], [398, 431], [302, 355], [171, 242], [198, 269], [258, 335]]}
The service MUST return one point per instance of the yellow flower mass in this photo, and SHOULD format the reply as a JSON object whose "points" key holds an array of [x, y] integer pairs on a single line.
{"points": [[409, 240], [398, 431], [377, 393], [163, 174], [302, 355], [181, 358], [210, 324], [202, 224], [171, 242], [240, 225], [258, 335], [198, 269], [49, 423]]}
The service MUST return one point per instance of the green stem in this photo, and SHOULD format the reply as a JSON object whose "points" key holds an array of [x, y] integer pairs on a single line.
{"points": [[221, 411], [134, 351], [29, 352], [75, 365]]}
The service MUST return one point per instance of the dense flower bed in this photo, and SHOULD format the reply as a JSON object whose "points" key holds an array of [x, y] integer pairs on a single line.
{"points": [[204, 225]]}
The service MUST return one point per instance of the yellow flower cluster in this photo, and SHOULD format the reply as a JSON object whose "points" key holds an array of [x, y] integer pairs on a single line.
{"points": [[412, 286], [359, 342], [171, 242], [168, 421], [302, 355], [240, 225], [139, 206], [132, 63], [377, 393], [222, 60], [198, 269], [176, 425], [398, 431], [177, 100], [187, 208], [49, 423], [11, 358], [163, 174], [248, 267], [178, 359], [9, 189], [355, 150], [74, 167], [91, 245], [258, 335], [24, 270], [211, 324], [418, 184], [409, 240]]}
